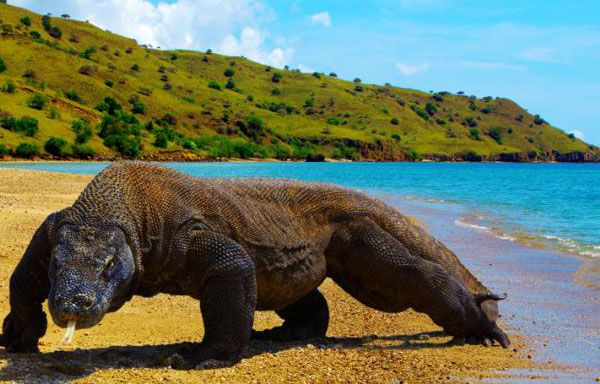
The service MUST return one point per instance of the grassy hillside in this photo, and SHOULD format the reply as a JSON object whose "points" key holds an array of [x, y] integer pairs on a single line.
{"points": [[190, 105]]}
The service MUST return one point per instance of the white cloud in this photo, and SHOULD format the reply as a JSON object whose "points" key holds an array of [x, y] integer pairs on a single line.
{"points": [[544, 55], [305, 68], [578, 134], [188, 24], [412, 69], [250, 44], [322, 18]]}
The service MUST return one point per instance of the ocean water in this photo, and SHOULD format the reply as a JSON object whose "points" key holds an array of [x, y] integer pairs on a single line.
{"points": [[542, 205]]}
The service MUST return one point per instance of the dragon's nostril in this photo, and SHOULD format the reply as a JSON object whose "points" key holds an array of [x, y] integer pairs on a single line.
{"points": [[83, 301]]}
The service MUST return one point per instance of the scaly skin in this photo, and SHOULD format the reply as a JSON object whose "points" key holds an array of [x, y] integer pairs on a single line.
{"points": [[237, 246]]}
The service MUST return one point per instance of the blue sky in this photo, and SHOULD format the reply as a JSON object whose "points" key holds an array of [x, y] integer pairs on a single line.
{"points": [[543, 54]]}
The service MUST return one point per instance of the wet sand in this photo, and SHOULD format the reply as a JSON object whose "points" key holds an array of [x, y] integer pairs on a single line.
{"points": [[552, 297], [363, 345]]}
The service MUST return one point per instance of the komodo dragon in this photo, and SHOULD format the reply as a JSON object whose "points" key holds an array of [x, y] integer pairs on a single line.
{"points": [[236, 245]]}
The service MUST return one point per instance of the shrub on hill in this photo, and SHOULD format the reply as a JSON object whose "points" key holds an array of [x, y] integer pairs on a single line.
{"points": [[3, 151], [470, 122], [138, 108], [496, 134], [86, 70], [537, 120], [73, 95], [225, 147], [282, 108], [422, 114], [56, 146], [229, 72], [2, 65], [84, 151], [35, 35], [26, 21], [333, 74], [121, 131], [109, 105], [396, 136], [394, 121], [214, 85], [333, 121], [413, 155], [9, 87], [37, 101], [277, 76], [161, 140], [83, 131], [26, 125], [55, 32], [431, 109], [26, 150], [474, 134], [87, 53], [167, 119], [109, 83], [230, 84], [29, 74], [357, 80], [46, 22], [53, 113]]}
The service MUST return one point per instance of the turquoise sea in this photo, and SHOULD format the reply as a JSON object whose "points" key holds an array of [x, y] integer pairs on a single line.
{"points": [[547, 205]]}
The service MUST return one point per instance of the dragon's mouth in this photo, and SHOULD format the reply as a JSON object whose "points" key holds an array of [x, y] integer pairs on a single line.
{"points": [[84, 320]]}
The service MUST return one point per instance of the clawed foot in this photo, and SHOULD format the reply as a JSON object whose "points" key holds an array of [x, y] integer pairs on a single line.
{"points": [[18, 337], [488, 339], [200, 358]]}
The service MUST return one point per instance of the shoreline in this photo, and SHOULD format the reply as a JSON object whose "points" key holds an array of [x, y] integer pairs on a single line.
{"points": [[183, 159], [547, 301], [26, 204]]}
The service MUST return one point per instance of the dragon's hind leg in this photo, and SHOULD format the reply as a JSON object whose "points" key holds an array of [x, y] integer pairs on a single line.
{"points": [[305, 319], [380, 272]]}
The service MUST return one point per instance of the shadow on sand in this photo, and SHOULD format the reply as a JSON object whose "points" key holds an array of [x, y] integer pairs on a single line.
{"points": [[64, 366]]}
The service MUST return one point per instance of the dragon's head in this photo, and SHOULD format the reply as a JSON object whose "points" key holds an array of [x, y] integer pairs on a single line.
{"points": [[91, 272], [488, 302]]}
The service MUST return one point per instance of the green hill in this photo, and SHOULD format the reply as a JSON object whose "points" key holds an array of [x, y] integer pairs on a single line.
{"points": [[94, 94]]}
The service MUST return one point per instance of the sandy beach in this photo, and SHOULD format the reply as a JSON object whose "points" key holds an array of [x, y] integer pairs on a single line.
{"points": [[363, 345]]}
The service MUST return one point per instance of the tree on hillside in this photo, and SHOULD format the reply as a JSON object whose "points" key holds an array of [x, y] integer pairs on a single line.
{"points": [[55, 32], [2, 65], [46, 22], [431, 109], [26, 21], [37, 101], [496, 134], [56, 146]]}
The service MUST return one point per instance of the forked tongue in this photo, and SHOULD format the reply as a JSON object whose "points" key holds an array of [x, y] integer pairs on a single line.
{"points": [[68, 337]]}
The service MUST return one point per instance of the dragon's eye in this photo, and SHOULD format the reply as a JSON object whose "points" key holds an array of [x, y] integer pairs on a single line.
{"points": [[109, 266]]}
